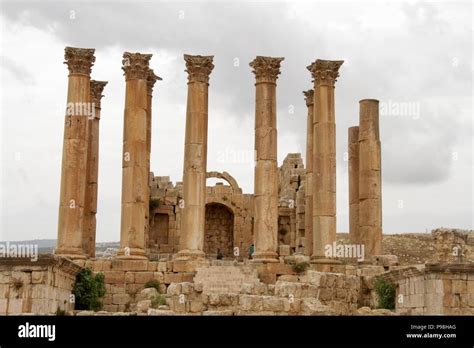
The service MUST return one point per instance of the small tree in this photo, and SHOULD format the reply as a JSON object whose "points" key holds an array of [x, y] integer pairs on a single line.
{"points": [[89, 290], [386, 292]]}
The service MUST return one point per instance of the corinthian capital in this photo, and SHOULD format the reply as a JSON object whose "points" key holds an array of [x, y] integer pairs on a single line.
{"points": [[266, 69], [79, 60], [325, 71], [309, 96], [135, 65], [151, 78], [97, 87], [198, 67]]}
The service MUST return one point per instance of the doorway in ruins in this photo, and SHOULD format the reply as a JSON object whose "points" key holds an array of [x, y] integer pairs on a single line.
{"points": [[219, 232]]}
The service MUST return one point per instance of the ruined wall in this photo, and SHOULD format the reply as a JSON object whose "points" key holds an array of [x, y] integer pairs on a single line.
{"points": [[40, 286], [438, 289], [291, 204]]}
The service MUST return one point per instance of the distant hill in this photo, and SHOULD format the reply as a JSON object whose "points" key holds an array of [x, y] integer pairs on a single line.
{"points": [[47, 245]]}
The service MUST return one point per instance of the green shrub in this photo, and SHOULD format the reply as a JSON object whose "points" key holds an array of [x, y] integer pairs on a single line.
{"points": [[386, 292], [60, 312], [157, 301], [153, 283], [300, 267], [88, 290]]}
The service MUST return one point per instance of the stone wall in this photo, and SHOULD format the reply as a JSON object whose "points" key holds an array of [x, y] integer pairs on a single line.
{"points": [[312, 294], [40, 286], [446, 289], [291, 194], [166, 201]]}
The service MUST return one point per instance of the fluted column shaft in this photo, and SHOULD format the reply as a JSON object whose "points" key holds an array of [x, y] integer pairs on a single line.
{"points": [[353, 154], [90, 224], [308, 212], [266, 70], [324, 73], [195, 157], [74, 159], [370, 185], [151, 79], [134, 166]]}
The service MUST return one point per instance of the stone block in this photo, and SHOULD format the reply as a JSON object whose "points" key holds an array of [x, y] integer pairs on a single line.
{"points": [[250, 303], [38, 277], [284, 250], [162, 267], [143, 277], [120, 299], [174, 289], [271, 303], [173, 278], [196, 306], [142, 306], [267, 278], [114, 277]]}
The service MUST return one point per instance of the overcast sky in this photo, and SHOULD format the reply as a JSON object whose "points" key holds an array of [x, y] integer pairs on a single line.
{"points": [[406, 54]]}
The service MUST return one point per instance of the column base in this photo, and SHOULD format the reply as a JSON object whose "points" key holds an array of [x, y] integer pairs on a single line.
{"points": [[189, 254], [265, 256], [71, 253], [131, 254]]}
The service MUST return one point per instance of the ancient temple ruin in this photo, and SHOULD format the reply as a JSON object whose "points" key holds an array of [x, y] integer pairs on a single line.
{"points": [[292, 209], [215, 250]]}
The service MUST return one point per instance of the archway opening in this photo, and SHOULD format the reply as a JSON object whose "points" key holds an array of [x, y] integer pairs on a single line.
{"points": [[219, 230]]}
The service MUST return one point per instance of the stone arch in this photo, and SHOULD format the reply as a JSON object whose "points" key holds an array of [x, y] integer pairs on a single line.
{"points": [[227, 177]]}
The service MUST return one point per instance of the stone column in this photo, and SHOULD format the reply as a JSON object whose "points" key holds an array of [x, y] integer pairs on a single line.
{"points": [[324, 73], [134, 166], [74, 160], [353, 152], [266, 70], [151, 79], [195, 157], [370, 188], [96, 88], [308, 211]]}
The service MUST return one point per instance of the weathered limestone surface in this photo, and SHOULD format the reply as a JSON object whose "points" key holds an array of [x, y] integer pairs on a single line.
{"points": [[90, 209], [195, 157], [150, 81], [353, 153], [324, 73], [451, 245], [134, 163], [40, 286], [370, 178], [438, 289], [266, 70], [308, 249], [71, 222], [291, 204]]}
